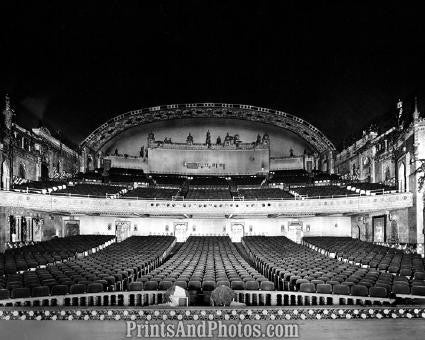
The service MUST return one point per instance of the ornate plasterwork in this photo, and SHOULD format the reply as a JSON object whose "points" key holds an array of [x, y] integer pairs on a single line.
{"points": [[118, 124]]}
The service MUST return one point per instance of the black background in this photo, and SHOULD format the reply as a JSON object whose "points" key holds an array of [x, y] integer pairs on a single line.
{"points": [[337, 64]]}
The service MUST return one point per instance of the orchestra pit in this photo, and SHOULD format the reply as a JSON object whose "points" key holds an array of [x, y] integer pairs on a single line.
{"points": [[254, 199]]}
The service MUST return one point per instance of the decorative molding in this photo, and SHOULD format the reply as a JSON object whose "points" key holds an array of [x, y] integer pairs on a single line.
{"points": [[118, 124], [135, 207]]}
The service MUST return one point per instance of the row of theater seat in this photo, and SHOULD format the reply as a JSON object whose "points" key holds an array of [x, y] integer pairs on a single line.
{"points": [[113, 268], [264, 194], [42, 253], [153, 193], [84, 189], [322, 191], [201, 264], [211, 194], [289, 264], [375, 256]]}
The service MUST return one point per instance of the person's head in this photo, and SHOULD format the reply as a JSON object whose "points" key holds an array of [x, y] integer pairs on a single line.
{"points": [[222, 296], [174, 294]]}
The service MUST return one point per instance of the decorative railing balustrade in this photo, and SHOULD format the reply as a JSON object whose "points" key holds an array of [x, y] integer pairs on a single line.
{"points": [[73, 204], [150, 298]]}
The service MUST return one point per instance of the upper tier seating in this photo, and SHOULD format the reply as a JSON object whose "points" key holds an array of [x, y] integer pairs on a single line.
{"points": [[376, 188], [152, 193], [368, 254], [247, 181], [168, 180], [322, 191], [39, 186], [265, 194], [290, 177], [113, 268], [121, 175], [208, 194], [289, 265], [85, 189], [201, 264], [208, 181], [42, 253]]}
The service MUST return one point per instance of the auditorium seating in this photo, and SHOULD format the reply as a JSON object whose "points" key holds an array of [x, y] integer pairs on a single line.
{"points": [[43, 253], [290, 177], [265, 194], [112, 268], [152, 193], [319, 191], [208, 181], [86, 189], [247, 181], [291, 265], [201, 264], [208, 194], [121, 175], [39, 186], [168, 180], [401, 267], [375, 188]]}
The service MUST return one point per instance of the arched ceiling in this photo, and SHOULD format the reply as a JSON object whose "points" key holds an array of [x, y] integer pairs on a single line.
{"points": [[125, 121]]}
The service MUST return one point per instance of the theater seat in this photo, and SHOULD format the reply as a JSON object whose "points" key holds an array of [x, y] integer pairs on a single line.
{"points": [[60, 290], [341, 290], [4, 294], [418, 290], [40, 291], [252, 285], [208, 286], [307, 287], [324, 288], [151, 285], [359, 290], [182, 284], [164, 285], [267, 285], [135, 286], [94, 288], [237, 285], [401, 289], [378, 292], [18, 293], [77, 289]]}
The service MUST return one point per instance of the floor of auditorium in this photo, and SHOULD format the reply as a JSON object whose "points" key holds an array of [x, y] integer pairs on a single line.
{"points": [[311, 329]]}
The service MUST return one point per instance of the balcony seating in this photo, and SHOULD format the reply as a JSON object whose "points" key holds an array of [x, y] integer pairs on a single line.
{"points": [[265, 194], [247, 181], [167, 180], [208, 194], [208, 181], [85, 189], [322, 191], [152, 193]]}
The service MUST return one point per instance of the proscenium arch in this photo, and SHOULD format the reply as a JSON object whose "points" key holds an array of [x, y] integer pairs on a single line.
{"points": [[125, 121]]}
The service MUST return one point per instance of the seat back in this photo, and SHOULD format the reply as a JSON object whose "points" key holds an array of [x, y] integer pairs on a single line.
{"points": [[359, 290], [40, 291], [307, 287], [135, 286], [324, 288]]}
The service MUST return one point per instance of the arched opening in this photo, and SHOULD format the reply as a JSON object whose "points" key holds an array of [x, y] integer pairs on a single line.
{"points": [[21, 171], [5, 176], [402, 177], [44, 172]]}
